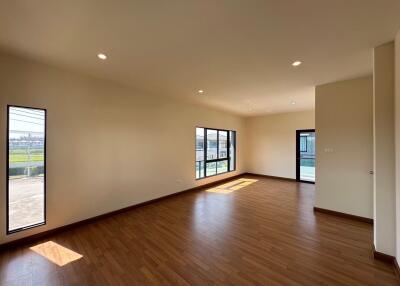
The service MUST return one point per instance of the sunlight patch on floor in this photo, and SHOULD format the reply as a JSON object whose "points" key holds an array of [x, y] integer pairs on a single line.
{"points": [[56, 253], [232, 186]]}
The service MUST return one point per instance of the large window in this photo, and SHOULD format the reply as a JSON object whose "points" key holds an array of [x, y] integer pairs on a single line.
{"points": [[215, 152], [26, 168]]}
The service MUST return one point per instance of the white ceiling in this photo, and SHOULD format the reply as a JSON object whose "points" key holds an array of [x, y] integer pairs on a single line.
{"points": [[239, 51]]}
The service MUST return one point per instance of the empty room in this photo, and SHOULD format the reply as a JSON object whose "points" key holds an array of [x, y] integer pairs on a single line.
{"points": [[194, 142]]}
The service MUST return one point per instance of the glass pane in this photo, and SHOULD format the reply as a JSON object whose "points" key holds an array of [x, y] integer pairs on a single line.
{"points": [[303, 143], [307, 156], [199, 153], [222, 166], [223, 144], [212, 144], [232, 150], [25, 167], [199, 169], [211, 168]]}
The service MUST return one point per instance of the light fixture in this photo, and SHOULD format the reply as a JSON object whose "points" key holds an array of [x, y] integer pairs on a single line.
{"points": [[102, 56], [293, 102], [296, 63], [200, 91]]}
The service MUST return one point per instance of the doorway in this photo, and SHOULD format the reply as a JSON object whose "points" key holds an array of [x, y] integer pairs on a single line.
{"points": [[305, 156]]}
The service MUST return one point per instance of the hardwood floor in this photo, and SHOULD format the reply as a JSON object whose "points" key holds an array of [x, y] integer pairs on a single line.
{"points": [[247, 232]]}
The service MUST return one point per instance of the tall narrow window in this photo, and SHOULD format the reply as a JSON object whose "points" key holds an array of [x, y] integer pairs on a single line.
{"points": [[215, 152], [222, 166], [26, 168], [199, 153]]}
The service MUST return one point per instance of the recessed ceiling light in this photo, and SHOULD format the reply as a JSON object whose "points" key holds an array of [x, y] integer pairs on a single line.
{"points": [[102, 56], [296, 63], [200, 91], [293, 102]]}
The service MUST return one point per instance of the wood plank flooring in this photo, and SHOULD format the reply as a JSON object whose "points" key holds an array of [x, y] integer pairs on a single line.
{"points": [[252, 231]]}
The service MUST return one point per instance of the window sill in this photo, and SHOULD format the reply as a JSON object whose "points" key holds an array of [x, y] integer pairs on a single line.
{"points": [[197, 179]]}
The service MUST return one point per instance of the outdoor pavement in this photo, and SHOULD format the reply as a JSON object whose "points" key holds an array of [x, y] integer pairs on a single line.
{"points": [[26, 201]]}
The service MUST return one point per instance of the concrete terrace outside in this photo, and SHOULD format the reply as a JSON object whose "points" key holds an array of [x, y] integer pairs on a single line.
{"points": [[26, 201]]}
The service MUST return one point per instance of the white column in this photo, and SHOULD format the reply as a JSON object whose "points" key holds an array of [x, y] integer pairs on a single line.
{"points": [[384, 150]]}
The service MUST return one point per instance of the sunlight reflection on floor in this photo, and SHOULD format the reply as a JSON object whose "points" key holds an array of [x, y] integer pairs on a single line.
{"points": [[232, 186], [56, 253]]}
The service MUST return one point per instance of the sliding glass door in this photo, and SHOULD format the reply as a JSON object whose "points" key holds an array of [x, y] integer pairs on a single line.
{"points": [[305, 155]]}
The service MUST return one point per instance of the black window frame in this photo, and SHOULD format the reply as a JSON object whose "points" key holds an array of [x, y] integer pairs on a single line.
{"points": [[298, 153], [8, 231], [228, 157]]}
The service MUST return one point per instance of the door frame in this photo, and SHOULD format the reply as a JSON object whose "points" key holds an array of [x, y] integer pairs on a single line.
{"points": [[298, 154]]}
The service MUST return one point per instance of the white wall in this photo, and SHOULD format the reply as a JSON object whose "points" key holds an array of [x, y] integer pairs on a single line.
{"points": [[343, 121], [272, 142], [384, 150], [108, 146], [397, 146]]}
